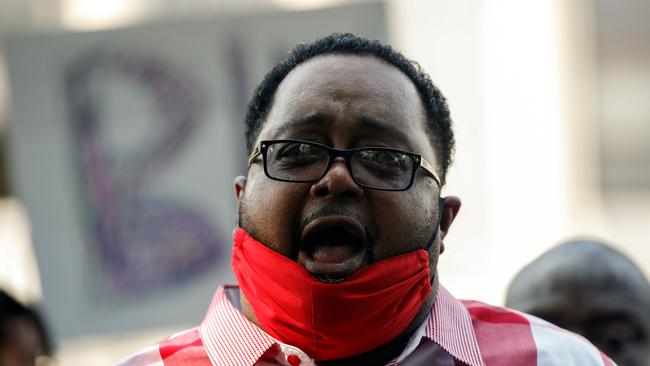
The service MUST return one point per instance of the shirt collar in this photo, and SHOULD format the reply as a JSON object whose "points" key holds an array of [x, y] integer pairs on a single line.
{"points": [[223, 328], [449, 325]]}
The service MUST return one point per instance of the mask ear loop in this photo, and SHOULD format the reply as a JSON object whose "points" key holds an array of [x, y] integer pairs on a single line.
{"points": [[432, 241]]}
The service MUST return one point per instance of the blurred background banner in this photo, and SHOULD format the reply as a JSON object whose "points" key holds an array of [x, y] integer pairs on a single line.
{"points": [[123, 146]]}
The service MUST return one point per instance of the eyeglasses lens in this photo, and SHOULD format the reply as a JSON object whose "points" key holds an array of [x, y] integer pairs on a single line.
{"points": [[383, 169], [295, 161], [374, 168]]}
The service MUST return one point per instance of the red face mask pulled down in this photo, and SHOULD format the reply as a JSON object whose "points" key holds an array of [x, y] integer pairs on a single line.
{"points": [[330, 320]]}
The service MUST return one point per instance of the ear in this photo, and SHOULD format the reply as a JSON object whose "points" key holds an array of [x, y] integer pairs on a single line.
{"points": [[240, 184], [449, 209]]}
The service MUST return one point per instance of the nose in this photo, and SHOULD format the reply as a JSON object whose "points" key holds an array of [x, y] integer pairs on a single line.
{"points": [[337, 181]]}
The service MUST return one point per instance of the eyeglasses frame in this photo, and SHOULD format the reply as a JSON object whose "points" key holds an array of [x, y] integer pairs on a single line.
{"points": [[346, 154]]}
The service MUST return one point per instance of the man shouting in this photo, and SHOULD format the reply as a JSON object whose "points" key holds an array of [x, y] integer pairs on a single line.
{"points": [[341, 224]]}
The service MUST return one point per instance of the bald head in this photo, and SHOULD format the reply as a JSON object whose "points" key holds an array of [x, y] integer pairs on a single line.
{"points": [[593, 290]]}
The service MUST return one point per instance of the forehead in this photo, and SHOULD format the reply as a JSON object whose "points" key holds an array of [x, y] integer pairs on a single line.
{"points": [[347, 90]]}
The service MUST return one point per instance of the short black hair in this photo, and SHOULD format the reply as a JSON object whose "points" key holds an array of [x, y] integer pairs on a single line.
{"points": [[438, 123]]}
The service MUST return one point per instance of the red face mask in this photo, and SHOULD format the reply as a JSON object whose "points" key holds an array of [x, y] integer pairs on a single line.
{"points": [[330, 320]]}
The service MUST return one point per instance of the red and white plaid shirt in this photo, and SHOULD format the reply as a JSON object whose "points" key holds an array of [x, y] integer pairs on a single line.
{"points": [[455, 333]]}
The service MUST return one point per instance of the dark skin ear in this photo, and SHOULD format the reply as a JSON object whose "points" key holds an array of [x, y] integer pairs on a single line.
{"points": [[449, 210], [239, 184]]}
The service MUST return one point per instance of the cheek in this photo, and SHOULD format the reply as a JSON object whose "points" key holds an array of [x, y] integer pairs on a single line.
{"points": [[269, 209], [404, 222]]}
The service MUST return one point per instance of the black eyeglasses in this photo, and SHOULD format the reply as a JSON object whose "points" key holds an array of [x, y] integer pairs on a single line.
{"points": [[370, 167]]}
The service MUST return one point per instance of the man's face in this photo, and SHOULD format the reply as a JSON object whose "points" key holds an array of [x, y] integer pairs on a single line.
{"points": [[333, 227], [613, 316]]}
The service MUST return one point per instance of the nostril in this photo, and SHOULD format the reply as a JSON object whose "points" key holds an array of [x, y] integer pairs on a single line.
{"points": [[321, 191], [352, 193]]}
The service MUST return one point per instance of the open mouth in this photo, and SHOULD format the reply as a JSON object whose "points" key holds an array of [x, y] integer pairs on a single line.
{"points": [[333, 247]]}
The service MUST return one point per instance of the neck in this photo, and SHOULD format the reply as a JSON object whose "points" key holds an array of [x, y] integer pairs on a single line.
{"points": [[380, 355]]}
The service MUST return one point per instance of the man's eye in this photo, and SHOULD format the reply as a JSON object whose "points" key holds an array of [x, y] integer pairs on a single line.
{"points": [[299, 154], [295, 150], [383, 158]]}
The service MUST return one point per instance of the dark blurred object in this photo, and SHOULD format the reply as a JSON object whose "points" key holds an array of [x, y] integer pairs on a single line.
{"points": [[23, 338], [593, 290], [4, 168]]}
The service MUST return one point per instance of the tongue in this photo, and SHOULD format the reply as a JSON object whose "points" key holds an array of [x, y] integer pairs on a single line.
{"points": [[332, 253]]}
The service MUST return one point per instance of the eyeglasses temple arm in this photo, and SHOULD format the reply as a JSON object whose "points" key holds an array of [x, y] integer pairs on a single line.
{"points": [[429, 169], [254, 154]]}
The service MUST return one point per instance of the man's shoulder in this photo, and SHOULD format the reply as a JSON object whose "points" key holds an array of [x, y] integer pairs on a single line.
{"points": [[183, 348], [508, 334]]}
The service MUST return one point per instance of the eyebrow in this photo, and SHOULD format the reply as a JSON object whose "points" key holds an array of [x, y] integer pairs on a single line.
{"points": [[386, 128], [319, 119], [314, 119]]}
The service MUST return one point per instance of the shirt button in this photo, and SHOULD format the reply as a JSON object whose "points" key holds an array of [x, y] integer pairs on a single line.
{"points": [[293, 360]]}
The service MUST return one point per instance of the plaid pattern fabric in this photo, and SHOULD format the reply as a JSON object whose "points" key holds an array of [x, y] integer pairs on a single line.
{"points": [[457, 333]]}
